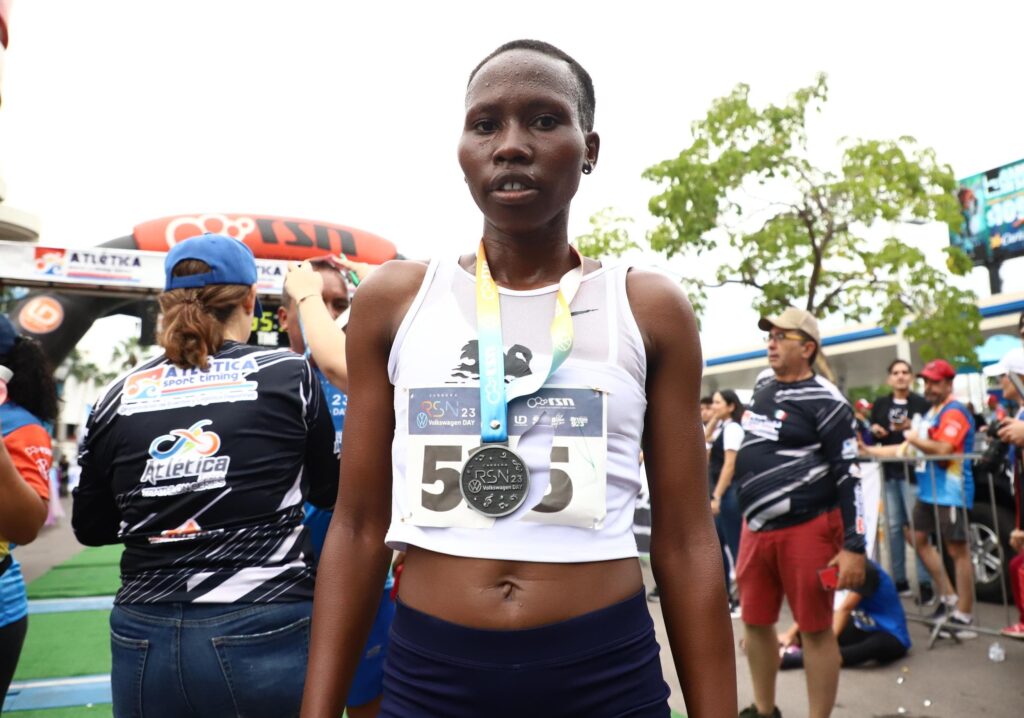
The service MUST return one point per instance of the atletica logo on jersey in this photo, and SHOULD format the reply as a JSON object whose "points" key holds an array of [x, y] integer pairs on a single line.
{"points": [[168, 387], [762, 426], [185, 454]]}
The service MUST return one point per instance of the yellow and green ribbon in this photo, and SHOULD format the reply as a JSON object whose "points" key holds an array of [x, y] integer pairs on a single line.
{"points": [[494, 397]]}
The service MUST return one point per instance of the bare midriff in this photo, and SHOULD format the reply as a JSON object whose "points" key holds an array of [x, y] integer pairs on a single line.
{"points": [[510, 595]]}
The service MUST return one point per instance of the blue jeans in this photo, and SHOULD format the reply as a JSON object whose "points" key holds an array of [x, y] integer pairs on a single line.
{"points": [[729, 524], [899, 503], [193, 660]]}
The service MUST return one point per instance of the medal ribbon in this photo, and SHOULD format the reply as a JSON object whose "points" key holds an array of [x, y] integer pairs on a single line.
{"points": [[493, 395]]}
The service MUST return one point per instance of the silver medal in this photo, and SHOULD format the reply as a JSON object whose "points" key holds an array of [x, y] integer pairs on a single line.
{"points": [[495, 480]]}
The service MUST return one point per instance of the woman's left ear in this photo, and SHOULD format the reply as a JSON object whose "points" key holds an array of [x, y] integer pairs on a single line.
{"points": [[593, 143]]}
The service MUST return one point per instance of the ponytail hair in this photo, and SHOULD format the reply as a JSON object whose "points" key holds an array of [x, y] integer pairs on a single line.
{"points": [[193, 321], [32, 387], [821, 366]]}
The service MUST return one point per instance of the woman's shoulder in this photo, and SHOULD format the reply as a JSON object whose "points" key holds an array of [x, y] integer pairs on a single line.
{"points": [[655, 290], [13, 417], [395, 279], [660, 307]]}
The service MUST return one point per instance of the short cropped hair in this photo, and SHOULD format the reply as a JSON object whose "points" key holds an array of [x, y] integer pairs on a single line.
{"points": [[585, 100], [894, 362]]}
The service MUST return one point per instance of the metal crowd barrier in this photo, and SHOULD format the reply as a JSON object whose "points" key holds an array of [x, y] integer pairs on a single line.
{"points": [[940, 629]]}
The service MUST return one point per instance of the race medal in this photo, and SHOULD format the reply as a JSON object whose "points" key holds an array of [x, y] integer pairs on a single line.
{"points": [[494, 480]]}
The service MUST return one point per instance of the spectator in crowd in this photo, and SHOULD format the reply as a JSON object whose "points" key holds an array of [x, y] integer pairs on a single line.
{"points": [[706, 416], [945, 491], [28, 399], [1010, 370], [315, 295], [870, 625], [799, 490], [861, 411], [980, 422], [64, 467], [891, 415], [706, 413], [728, 412], [205, 487]]}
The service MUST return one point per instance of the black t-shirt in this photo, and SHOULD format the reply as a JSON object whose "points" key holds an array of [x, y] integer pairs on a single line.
{"points": [[203, 476], [798, 457], [887, 412]]}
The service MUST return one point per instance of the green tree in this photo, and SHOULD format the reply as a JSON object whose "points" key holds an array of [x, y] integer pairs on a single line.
{"points": [[127, 354], [83, 371], [8, 298], [804, 235], [608, 237]]}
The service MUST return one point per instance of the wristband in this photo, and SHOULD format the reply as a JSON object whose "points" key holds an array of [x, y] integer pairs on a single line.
{"points": [[302, 299]]}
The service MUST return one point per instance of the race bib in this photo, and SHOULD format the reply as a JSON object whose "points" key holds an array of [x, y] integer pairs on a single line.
{"points": [[444, 427]]}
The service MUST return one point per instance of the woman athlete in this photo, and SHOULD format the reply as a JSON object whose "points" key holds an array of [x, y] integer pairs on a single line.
{"points": [[522, 592]]}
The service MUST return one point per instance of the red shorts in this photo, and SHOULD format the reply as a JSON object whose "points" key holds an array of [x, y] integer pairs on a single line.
{"points": [[786, 561]]}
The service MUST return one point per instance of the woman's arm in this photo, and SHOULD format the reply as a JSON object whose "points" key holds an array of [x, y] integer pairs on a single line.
{"points": [[685, 553], [22, 509], [882, 450], [326, 342], [95, 517], [725, 477], [355, 559], [709, 430], [724, 480]]}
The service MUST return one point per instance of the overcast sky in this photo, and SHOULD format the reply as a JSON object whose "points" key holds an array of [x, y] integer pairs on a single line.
{"points": [[119, 111]]}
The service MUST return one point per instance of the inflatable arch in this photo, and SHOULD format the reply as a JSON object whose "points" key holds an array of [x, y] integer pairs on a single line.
{"points": [[58, 319]]}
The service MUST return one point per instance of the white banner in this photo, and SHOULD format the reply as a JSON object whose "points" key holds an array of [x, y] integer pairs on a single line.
{"points": [[131, 271]]}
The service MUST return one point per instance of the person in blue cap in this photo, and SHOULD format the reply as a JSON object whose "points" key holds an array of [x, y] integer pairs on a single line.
{"points": [[200, 461], [28, 399]]}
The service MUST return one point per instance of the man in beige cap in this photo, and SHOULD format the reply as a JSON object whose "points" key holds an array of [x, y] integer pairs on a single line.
{"points": [[799, 490]]}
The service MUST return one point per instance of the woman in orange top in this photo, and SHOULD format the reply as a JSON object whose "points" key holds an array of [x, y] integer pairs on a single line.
{"points": [[28, 398]]}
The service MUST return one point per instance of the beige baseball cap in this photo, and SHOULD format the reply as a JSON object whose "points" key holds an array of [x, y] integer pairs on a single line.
{"points": [[793, 318]]}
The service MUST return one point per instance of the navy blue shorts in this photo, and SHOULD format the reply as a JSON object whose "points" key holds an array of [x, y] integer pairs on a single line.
{"points": [[601, 664]]}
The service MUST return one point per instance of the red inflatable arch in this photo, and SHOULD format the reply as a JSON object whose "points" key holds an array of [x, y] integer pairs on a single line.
{"points": [[281, 238], [268, 237]]}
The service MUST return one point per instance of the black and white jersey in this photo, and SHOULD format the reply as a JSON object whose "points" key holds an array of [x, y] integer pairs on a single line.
{"points": [[798, 457], [203, 474]]}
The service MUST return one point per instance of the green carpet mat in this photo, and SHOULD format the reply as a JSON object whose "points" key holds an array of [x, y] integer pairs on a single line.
{"points": [[93, 572], [75, 712], [66, 644]]}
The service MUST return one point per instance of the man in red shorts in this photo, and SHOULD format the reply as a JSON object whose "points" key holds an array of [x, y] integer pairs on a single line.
{"points": [[799, 490]]}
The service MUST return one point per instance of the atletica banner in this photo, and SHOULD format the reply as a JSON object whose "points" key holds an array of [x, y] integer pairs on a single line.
{"points": [[106, 270]]}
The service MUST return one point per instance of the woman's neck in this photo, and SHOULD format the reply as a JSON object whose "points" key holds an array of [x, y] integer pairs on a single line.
{"points": [[528, 262], [238, 327]]}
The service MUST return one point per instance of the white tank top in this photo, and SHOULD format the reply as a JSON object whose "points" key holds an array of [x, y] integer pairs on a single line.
{"points": [[579, 435]]}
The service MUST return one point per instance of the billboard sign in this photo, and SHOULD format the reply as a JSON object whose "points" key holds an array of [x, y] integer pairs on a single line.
{"points": [[992, 212]]}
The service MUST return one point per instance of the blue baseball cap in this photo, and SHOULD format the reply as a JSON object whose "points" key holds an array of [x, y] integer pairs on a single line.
{"points": [[231, 262], [8, 335]]}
